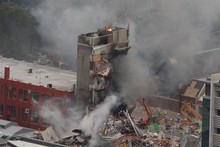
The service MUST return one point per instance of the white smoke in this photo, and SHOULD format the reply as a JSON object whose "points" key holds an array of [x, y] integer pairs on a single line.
{"points": [[62, 123], [92, 123], [160, 29]]}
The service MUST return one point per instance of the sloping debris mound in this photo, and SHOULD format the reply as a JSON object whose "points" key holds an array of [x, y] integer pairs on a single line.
{"points": [[136, 126], [127, 126]]}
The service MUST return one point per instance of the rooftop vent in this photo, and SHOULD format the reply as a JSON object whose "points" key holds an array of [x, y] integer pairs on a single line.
{"points": [[49, 85], [30, 70]]}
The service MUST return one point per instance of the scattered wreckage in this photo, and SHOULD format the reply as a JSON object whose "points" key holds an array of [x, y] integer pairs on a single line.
{"points": [[137, 125]]}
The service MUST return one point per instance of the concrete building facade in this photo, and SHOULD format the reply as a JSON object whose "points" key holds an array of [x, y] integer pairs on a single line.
{"points": [[214, 129], [95, 51], [211, 112]]}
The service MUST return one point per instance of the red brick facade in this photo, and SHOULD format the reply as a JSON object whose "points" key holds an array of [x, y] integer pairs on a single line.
{"points": [[20, 102]]}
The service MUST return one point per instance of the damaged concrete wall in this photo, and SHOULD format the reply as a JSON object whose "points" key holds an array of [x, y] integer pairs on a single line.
{"points": [[83, 75], [164, 103], [96, 50]]}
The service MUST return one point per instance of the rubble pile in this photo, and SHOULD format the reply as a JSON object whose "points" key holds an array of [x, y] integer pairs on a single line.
{"points": [[165, 128], [137, 126]]}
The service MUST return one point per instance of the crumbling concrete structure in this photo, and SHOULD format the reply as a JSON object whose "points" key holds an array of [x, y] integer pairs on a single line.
{"points": [[95, 51]]}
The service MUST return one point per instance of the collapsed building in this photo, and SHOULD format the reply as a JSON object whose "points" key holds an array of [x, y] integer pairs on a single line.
{"points": [[95, 72]]}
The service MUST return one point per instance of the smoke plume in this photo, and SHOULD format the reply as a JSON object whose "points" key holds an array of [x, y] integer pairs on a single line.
{"points": [[94, 121], [91, 124], [160, 31], [62, 123]]}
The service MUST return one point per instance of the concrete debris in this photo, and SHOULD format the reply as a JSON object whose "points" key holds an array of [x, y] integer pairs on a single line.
{"points": [[49, 135], [165, 129], [126, 127]]}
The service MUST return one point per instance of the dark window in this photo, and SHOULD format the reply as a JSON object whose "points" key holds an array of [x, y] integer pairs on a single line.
{"points": [[218, 112], [21, 93], [207, 89], [218, 93], [1, 109], [2, 90], [13, 111], [14, 93], [35, 97], [8, 108], [218, 130], [19, 113], [91, 65], [46, 98], [9, 92], [34, 116], [25, 95], [22, 113]]}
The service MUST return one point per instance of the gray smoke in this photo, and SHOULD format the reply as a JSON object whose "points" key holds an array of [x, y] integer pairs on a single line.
{"points": [[161, 31], [62, 123], [91, 124]]}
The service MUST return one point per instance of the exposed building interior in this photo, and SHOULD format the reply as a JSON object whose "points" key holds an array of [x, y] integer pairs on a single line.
{"points": [[95, 71]]}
